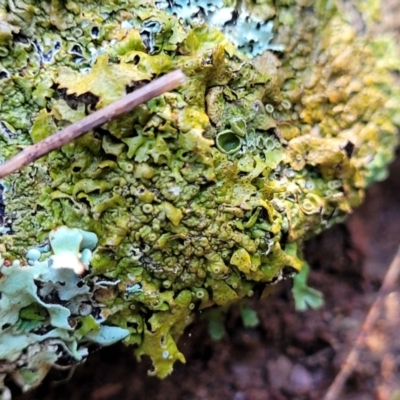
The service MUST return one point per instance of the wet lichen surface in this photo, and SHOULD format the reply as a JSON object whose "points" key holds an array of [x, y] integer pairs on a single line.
{"points": [[196, 197]]}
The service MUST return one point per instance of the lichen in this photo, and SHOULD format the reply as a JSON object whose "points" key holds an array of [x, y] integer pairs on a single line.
{"points": [[246, 24], [195, 197], [49, 315]]}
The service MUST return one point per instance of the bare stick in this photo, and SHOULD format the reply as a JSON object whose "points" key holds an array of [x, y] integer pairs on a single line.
{"points": [[388, 285], [113, 110]]}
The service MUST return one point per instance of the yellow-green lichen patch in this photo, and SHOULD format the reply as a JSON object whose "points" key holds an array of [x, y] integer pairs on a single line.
{"points": [[201, 193]]}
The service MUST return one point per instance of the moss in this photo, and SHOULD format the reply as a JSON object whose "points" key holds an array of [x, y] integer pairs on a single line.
{"points": [[204, 192]]}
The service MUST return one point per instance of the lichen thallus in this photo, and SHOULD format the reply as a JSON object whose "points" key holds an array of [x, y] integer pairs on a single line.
{"points": [[153, 89]]}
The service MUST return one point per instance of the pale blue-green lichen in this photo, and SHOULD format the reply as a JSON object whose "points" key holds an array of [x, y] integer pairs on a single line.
{"points": [[49, 315], [248, 25], [200, 194]]}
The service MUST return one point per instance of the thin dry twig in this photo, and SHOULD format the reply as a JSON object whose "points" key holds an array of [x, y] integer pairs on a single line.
{"points": [[388, 285], [153, 89]]}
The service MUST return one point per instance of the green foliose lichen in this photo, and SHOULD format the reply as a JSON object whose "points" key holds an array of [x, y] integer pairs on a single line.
{"points": [[201, 193]]}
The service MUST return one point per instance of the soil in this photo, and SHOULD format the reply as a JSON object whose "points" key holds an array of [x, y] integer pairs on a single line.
{"points": [[289, 355]]}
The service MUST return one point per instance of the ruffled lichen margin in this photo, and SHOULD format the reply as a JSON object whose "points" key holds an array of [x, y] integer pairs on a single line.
{"points": [[191, 200]]}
